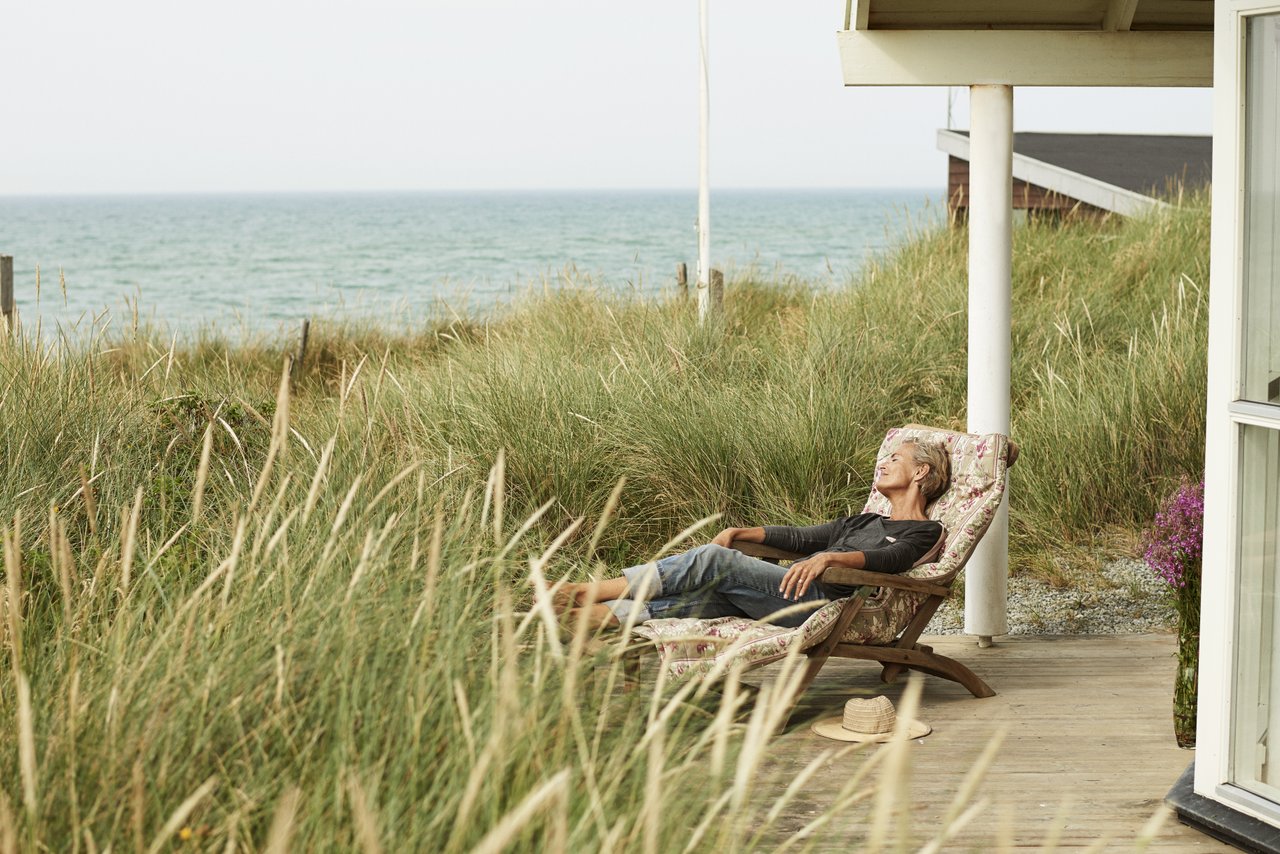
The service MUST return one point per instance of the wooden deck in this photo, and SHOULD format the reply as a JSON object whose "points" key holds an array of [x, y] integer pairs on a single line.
{"points": [[1088, 725]]}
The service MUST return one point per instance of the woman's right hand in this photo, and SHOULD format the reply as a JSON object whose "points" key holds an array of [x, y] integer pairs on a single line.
{"points": [[726, 537]]}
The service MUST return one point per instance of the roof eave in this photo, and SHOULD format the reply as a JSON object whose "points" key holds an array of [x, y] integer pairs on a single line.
{"points": [[1025, 58]]}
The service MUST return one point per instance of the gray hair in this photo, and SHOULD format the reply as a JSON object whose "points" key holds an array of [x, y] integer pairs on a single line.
{"points": [[935, 456]]}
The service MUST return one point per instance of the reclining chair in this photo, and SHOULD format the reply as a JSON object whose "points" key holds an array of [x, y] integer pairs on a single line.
{"points": [[882, 621]]}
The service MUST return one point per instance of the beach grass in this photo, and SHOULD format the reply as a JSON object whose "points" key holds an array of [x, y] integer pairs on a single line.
{"points": [[249, 610]]}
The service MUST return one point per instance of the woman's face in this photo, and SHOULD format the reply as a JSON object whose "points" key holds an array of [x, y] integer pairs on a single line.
{"points": [[897, 471]]}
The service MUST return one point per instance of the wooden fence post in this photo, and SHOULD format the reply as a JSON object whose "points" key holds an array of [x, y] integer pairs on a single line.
{"points": [[295, 366], [682, 280], [6, 290], [717, 289]]}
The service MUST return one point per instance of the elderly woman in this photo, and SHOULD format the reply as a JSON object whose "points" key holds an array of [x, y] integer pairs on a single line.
{"points": [[716, 580]]}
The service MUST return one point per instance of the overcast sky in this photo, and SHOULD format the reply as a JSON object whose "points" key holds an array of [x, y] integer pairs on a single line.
{"points": [[267, 95]]}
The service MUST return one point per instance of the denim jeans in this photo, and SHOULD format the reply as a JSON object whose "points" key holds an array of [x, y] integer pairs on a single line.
{"points": [[712, 581]]}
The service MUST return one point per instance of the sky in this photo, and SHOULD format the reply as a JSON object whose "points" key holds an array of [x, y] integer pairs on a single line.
{"points": [[142, 96]]}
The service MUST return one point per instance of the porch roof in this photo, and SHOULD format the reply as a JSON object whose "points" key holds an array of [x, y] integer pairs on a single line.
{"points": [[1113, 15], [1027, 42]]}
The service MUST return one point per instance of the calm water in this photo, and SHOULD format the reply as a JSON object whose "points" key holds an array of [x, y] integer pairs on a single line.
{"points": [[262, 261]]}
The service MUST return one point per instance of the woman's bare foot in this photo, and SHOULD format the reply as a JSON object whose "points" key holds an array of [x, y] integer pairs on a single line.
{"points": [[565, 597]]}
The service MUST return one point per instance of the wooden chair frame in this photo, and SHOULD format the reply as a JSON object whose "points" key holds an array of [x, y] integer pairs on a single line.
{"points": [[905, 652]]}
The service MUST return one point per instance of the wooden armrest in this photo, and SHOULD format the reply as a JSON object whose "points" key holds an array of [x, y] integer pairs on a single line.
{"points": [[764, 552], [857, 577]]}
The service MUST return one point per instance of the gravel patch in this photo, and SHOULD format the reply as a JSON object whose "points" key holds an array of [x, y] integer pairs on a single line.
{"points": [[1125, 597]]}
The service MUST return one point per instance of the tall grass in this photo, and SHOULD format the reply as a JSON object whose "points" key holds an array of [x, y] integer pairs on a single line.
{"points": [[316, 616]]}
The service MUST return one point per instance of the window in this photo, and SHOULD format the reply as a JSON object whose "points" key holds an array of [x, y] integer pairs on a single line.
{"points": [[1257, 670], [1260, 374]]}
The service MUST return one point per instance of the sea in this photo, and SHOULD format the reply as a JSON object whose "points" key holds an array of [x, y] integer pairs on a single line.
{"points": [[258, 263]]}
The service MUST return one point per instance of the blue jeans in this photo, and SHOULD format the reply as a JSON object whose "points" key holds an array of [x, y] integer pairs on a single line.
{"points": [[712, 581]]}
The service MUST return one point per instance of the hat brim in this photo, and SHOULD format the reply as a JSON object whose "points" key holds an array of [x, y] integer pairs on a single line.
{"points": [[834, 728]]}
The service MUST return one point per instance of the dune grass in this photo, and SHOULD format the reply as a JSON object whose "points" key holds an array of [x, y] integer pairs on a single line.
{"points": [[256, 615]]}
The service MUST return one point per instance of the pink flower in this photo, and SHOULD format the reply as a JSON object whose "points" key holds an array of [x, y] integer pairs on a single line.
{"points": [[1174, 542]]}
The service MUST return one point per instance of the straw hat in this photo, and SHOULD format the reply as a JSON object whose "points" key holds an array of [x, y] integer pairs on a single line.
{"points": [[868, 720]]}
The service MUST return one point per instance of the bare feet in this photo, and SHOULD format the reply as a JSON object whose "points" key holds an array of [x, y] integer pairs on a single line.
{"points": [[568, 596]]}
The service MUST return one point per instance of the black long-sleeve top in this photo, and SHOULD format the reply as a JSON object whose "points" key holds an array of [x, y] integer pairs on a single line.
{"points": [[889, 545]]}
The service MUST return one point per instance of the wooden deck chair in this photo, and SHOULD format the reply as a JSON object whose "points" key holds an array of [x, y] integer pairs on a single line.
{"points": [[883, 620]]}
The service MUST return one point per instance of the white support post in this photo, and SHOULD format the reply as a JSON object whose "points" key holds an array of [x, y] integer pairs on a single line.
{"points": [[990, 300], [704, 182]]}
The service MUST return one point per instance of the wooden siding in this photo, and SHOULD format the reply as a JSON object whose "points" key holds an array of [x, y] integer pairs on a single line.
{"points": [[1029, 197]]}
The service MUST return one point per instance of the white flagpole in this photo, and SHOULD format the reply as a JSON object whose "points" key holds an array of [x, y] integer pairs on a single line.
{"points": [[704, 180]]}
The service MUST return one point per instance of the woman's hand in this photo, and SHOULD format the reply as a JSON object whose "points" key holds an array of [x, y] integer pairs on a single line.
{"points": [[802, 573], [747, 535], [726, 537]]}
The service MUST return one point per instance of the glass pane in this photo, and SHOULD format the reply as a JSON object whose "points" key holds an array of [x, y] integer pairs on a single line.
{"points": [[1261, 365], [1257, 670]]}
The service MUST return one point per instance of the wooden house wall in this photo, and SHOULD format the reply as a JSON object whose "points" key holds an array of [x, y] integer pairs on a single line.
{"points": [[1029, 197]]}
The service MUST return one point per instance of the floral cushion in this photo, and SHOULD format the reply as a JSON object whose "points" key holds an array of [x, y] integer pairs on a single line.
{"points": [[690, 646], [978, 466]]}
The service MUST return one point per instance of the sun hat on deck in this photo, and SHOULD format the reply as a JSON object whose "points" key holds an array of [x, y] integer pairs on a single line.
{"points": [[870, 721]]}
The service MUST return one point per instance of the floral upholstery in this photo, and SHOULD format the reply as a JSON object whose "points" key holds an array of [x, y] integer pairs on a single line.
{"points": [[690, 646], [978, 466]]}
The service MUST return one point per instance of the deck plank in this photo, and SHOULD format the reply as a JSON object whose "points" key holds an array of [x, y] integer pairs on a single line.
{"points": [[1089, 722]]}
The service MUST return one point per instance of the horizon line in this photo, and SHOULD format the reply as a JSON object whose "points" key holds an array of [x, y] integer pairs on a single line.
{"points": [[461, 190]]}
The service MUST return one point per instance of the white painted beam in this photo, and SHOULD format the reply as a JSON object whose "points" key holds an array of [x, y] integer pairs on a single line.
{"points": [[1119, 15], [1217, 707], [1065, 182], [706, 303], [1024, 58], [862, 14], [990, 311]]}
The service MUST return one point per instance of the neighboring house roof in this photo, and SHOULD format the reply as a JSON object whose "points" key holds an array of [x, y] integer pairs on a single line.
{"points": [[1124, 173]]}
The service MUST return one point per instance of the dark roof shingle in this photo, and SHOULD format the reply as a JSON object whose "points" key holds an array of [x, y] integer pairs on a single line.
{"points": [[1143, 163]]}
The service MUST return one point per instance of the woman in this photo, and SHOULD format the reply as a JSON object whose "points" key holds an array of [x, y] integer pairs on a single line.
{"points": [[718, 581]]}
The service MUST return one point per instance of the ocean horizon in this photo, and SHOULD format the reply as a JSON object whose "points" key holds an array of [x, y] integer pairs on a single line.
{"points": [[255, 262]]}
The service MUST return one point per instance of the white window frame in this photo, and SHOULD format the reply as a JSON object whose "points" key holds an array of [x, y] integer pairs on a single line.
{"points": [[1225, 416]]}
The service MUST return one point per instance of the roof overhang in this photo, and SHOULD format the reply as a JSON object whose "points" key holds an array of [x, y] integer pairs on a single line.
{"points": [[1028, 43]]}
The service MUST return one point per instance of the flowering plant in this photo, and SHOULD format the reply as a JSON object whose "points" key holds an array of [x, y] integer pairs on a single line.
{"points": [[1174, 543], [1174, 547]]}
